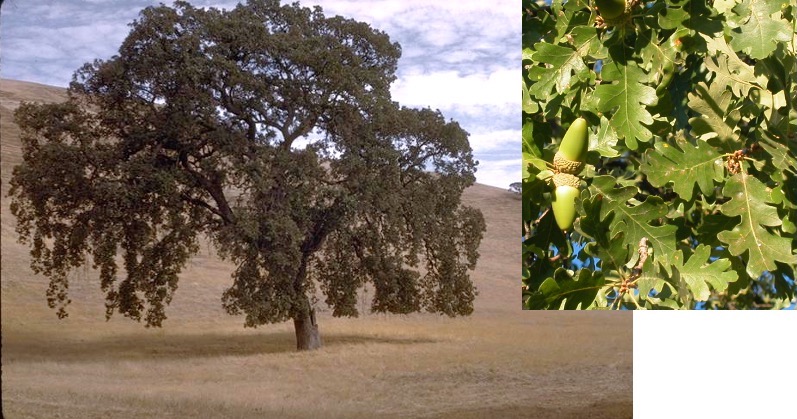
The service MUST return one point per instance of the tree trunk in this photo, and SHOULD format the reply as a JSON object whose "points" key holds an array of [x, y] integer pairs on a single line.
{"points": [[304, 322], [307, 336]]}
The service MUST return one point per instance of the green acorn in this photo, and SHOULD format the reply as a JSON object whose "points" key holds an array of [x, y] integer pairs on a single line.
{"points": [[615, 13], [564, 200], [611, 9], [573, 149]]}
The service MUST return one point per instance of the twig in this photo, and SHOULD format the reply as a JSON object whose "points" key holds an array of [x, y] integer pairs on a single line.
{"points": [[534, 224], [616, 301], [643, 251], [628, 283], [537, 221], [527, 227]]}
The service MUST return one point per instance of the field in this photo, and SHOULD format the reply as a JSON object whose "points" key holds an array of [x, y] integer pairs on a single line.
{"points": [[500, 362]]}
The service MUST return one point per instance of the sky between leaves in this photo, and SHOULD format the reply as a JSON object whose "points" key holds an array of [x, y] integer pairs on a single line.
{"points": [[457, 56]]}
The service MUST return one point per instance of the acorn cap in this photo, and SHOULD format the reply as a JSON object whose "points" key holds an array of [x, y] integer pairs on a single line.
{"points": [[566, 179], [562, 164]]}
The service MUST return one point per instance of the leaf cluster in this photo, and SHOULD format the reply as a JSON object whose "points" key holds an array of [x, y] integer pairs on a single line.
{"points": [[691, 194]]}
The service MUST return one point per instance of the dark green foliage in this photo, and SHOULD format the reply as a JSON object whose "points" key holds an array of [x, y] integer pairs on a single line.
{"points": [[193, 129]]}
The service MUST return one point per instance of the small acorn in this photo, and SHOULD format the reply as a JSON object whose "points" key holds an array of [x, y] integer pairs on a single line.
{"points": [[573, 149], [564, 200], [615, 12], [611, 9]]}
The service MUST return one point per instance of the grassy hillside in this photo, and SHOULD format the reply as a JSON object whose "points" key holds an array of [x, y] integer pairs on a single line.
{"points": [[499, 362]]}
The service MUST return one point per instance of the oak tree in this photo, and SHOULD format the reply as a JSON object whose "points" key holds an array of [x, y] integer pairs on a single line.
{"points": [[270, 130]]}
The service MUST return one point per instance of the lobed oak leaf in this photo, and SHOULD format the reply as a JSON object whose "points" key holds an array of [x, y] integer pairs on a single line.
{"points": [[684, 165], [626, 98], [759, 32], [563, 291], [698, 274], [636, 221], [750, 200]]}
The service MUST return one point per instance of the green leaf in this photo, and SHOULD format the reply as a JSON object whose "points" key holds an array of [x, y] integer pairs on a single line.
{"points": [[535, 273], [694, 14], [537, 25], [740, 79], [712, 225], [562, 62], [565, 292], [635, 221], [661, 56], [590, 224], [535, 135], [569, 15], [717, 120], [586, 40], [649, 280], [527, 54], [744, 80], [547, 233], [604, 140], [529, 105], [699, 274], [685, 166], [749, 199], [781, 157], [785, 193], [626, 98], [671, 18], [724, 6], [612, 252], [759, 31]]}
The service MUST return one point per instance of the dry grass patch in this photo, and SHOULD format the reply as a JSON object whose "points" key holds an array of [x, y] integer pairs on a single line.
{"points": [[414, 367]]}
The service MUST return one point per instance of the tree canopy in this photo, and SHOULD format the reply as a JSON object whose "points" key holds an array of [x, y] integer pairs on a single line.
{"points": [[270, 130], [689, 195]]}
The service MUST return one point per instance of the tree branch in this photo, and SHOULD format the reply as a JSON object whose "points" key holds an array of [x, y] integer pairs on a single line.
{"points": [[213, 188]]}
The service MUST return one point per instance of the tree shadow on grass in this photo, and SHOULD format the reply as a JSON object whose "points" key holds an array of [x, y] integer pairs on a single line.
{"points": [[178, 346]]}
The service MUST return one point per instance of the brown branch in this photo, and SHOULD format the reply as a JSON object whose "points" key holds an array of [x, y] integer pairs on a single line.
{"points": [[213, 188], [201, 203], [643, 253]]}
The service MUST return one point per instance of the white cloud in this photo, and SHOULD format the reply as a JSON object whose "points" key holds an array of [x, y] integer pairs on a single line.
{"points": [[446, 89], [385, 14], [499, 173], [495, 140]]}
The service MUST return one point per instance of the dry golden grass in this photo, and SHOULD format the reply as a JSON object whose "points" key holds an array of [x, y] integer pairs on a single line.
{"points": [[500, 362]]}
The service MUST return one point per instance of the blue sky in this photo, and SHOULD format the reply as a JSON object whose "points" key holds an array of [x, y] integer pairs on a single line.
{"points": [[457, 56]]}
